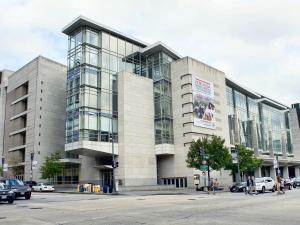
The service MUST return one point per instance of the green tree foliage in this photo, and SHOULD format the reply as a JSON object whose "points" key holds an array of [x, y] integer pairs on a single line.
{"points": [[1, 170], [51, 167], [217, 153], [247, 160]]}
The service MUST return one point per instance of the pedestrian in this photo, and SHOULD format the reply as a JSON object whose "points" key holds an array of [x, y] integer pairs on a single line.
{"points": [[210, 185], [253, 185], [215, 186], [248, 188], [279, 185]]}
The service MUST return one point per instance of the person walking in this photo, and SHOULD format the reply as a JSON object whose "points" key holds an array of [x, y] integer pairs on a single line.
{"points": [[253, 185], [279, 185], [215, 186], [248, 188]]}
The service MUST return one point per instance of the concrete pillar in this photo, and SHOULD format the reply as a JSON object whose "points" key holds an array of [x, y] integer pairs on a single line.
{"points": [[285, 172], [297, 171], [257, 172]]}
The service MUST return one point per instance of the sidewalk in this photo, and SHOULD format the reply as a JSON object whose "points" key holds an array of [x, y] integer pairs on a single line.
{"points": [[184, 191]]}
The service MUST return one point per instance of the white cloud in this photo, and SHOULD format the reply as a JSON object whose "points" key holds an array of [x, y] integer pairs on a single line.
{"points": [[256, 43]]}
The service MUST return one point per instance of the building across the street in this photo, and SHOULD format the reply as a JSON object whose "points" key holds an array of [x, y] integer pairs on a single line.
{"points": [[141, 104], [144, 104], [34, 116]]}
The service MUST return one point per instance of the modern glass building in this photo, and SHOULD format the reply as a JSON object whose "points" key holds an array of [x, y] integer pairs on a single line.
{"points": [[259, 123], [136, 101]]}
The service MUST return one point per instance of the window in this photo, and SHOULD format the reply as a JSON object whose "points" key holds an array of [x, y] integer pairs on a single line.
{"points": [[105, 40], [90, 77], [113, 44], [92, 37], [105, 80], [105, 60], [121, 47], [128, 48], [91, 56], [105, 102], [113, 63], [78, 38]]}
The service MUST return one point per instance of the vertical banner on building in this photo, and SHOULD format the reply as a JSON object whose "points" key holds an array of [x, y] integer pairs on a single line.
{"points": [[203, 103]]}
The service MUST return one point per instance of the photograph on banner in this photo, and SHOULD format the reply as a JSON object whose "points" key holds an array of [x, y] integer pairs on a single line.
{"points": [[203, 103]]}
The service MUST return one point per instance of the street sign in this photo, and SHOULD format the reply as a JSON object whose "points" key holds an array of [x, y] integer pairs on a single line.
{"points": [[5, 167], [204, 168], [234, 157]]}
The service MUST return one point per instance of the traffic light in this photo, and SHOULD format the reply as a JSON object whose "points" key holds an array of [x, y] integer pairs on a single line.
{"points": [[117, 164]]}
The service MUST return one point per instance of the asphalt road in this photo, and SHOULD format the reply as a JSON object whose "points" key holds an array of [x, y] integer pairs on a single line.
{"points": [[146, 208]]}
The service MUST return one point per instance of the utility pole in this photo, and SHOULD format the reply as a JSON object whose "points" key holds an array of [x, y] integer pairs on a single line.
{"points": [[113, 157], [31, 161]]}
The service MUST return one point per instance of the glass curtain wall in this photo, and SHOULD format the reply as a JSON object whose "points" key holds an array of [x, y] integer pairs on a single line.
{"points": [[230, 111], [275, 123], [94, 59], [158, 65]]}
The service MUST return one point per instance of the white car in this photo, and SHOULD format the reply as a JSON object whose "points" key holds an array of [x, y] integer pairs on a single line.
{"points": [[43, 187], [264, 184]]}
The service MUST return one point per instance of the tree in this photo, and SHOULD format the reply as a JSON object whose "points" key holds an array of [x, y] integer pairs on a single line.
{"points": [[218, 156], [51, 167], [247, 160], [1, 170]]}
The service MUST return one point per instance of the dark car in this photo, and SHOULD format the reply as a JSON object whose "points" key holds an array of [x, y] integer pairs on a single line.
{"points": [[30, 183], [296, 182], [6, 195], [239, 187], [18, 187]]}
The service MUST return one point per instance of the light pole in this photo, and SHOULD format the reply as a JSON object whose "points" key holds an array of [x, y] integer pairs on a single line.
{"points": [[238, 163], [113, 157], [31, 161]]}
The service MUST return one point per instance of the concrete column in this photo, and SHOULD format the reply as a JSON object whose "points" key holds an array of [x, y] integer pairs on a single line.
{"points": [[285, 172], [297, 171], [257, 172]]}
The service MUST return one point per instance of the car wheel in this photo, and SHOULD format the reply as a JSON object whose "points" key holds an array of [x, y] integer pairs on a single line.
{"points": [[290, 187], [10, 200], [27, 196], [294, 186], [263, 190]]}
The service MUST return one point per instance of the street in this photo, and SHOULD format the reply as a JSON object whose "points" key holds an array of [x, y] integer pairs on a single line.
{"points": [[147, 208]]}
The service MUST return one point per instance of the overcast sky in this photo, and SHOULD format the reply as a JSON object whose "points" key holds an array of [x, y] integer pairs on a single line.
{"points": [[256, 43]]}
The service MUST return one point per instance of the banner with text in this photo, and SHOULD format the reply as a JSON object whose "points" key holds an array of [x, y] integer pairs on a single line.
{"points": [[203, 103]]}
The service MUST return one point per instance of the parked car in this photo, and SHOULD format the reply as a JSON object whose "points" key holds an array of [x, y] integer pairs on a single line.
{"points": [[263, 184], [18, 187], [6, 195], [296, 182], [30, 183], [287, 184], [43, 187], [239, 187]]}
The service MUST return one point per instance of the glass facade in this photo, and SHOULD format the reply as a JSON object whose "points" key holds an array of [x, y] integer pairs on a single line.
{"points": [[269, 123], [94, 59], [159, 69]]}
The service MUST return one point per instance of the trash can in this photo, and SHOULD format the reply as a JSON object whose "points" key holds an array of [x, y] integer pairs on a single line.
{"points": [[105, 189]]}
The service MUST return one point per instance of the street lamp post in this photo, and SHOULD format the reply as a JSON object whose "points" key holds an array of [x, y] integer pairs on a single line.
{"points": [[113, 157], [31, 161]]}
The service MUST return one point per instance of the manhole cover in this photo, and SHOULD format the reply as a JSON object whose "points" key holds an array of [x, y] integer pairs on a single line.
{"points": [[36, 208], [2, 218]]}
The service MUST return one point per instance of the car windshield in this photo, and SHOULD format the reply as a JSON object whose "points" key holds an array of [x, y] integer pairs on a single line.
{"points": [[15, 182], [259, 180], [2, 186]]}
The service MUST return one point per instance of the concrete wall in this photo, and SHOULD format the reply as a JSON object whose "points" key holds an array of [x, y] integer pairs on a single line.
{"points": [[184, 129], [3, 89], [45, 116], [137, 160]]}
